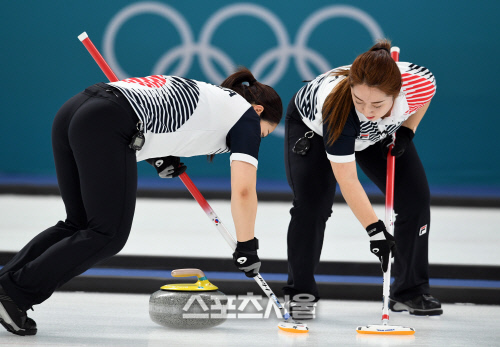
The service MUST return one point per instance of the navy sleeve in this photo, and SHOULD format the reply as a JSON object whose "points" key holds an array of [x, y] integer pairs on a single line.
{"points": [[342, 150], [244, 138]]}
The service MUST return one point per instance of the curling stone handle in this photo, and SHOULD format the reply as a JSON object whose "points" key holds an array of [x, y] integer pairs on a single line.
{"points": [[188, 273]]}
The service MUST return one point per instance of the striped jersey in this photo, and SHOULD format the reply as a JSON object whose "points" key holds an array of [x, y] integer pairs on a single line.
{"points": [[183, 117], [418, 88]]}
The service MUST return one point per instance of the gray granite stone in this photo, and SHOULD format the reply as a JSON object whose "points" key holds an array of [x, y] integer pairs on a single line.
{"points": [[188, 310]]}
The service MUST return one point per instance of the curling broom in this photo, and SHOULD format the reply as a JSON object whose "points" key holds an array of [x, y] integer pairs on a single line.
{"points": [[385, 328]]}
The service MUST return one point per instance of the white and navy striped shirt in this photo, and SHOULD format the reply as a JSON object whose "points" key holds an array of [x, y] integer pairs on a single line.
{"points": [[419, 86], [184, 118]]}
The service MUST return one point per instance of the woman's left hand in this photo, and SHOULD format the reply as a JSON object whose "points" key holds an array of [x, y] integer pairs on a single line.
{"points": [[404, 136], [245, 257]]}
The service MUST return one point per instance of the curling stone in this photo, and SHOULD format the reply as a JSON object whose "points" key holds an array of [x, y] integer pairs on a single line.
{"points": [[188, 305]]}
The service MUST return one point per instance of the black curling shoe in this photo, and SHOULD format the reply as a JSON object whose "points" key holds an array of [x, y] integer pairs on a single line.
{"points": [[421, 305], [13, 319], [302, 310]]}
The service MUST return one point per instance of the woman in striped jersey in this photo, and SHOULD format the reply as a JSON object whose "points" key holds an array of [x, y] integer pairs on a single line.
{"points": [[347, 116], [98, 136]]}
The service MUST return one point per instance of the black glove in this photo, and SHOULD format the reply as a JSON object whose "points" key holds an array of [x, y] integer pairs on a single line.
{"points": [[381, 243], [245, 257], [404, 136], [168, 167]]}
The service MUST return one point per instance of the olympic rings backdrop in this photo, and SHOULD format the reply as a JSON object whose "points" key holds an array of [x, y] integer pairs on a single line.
{"points": [[282, 42]]}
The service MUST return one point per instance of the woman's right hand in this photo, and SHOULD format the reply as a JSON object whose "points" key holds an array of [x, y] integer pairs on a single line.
{"points": [[382, 244], [168, 167]]}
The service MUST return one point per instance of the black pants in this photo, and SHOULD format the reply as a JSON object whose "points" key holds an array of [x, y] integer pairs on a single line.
{"points": [[313, 183], [97, 177]]}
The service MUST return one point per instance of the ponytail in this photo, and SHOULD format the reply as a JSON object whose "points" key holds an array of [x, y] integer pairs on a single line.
{"points": [[244, 83], [374, 68]]}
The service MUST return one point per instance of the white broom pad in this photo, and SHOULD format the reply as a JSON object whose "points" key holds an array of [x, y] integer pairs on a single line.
{"points": [[385, 329]]}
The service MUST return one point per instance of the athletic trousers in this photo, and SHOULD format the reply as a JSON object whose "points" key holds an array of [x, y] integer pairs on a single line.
{"points": [[313, 184], [97, 177]]}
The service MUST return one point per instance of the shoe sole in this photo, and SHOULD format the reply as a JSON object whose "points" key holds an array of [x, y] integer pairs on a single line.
{"points": [[400, 307], [12, 327]]}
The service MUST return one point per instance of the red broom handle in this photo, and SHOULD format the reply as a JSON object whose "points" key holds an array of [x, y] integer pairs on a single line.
{"points": [[97, 57], [391, 163]]}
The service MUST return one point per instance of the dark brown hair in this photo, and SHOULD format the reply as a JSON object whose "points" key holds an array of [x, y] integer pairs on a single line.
{"points": [[374, 68], [244, 83]]}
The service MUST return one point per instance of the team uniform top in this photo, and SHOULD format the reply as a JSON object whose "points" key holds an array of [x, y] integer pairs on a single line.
{"points": [[183, 117], [419, 86]]}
